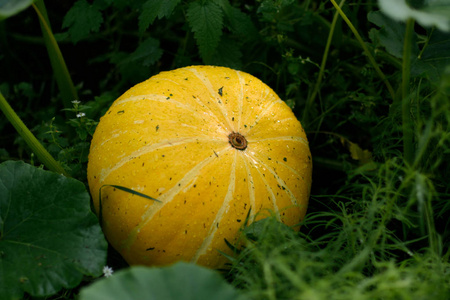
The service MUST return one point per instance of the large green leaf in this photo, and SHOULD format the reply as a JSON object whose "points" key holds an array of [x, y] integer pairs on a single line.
{"points": [[391, 34], [435, 57], [9, 8], [181, 281], [430, 61], [49, 237], [426, 12]]}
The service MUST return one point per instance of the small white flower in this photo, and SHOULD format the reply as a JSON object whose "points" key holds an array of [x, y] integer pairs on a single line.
{"points": [[107, 271], [76, 102], [80, 115]]}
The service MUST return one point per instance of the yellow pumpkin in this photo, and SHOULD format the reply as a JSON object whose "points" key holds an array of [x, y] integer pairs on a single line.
{"points": [[210, 143]]}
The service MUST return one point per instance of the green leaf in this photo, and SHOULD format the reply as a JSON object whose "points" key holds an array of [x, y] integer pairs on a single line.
{"points": [[269, 9], [238, 22], [135, 65], [152, 9], [206, 21], [427, 13], [82, 19], [267, 229], [147, 53], [49, 236], [104, 4], [428, 62], [10, 8], [391, 33], [181, 281], [228, 54], [435, 57]]}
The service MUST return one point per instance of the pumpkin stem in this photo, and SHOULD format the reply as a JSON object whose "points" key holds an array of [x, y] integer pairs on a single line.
{"points": [[237, 140]]}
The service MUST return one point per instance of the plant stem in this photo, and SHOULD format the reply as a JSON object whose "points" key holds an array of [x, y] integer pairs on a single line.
{"points": [[30, 139], [62, 76], [407, 125], [366, 50], [311, 99]]}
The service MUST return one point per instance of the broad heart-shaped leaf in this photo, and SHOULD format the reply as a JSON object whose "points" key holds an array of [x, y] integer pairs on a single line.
{"points": [[49, 237], [430, 61], [435, 58], [426, 12], [181, 281], [391, 34], [9, 8]]}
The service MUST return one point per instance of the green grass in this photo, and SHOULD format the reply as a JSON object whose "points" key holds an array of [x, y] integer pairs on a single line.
{"points": [[377, 240], [372, 94]]}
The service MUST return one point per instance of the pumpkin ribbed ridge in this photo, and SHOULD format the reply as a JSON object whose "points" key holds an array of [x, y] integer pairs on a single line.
{"points": [[209, 143]]}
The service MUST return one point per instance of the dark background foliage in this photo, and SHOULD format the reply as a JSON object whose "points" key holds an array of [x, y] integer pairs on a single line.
{"points": [[367, 202]]}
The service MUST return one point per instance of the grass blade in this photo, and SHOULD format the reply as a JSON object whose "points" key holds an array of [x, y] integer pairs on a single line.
{"points": [[122, 188]]}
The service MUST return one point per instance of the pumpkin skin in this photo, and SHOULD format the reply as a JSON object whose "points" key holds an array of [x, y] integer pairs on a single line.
{"points": [[209, 143]]}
